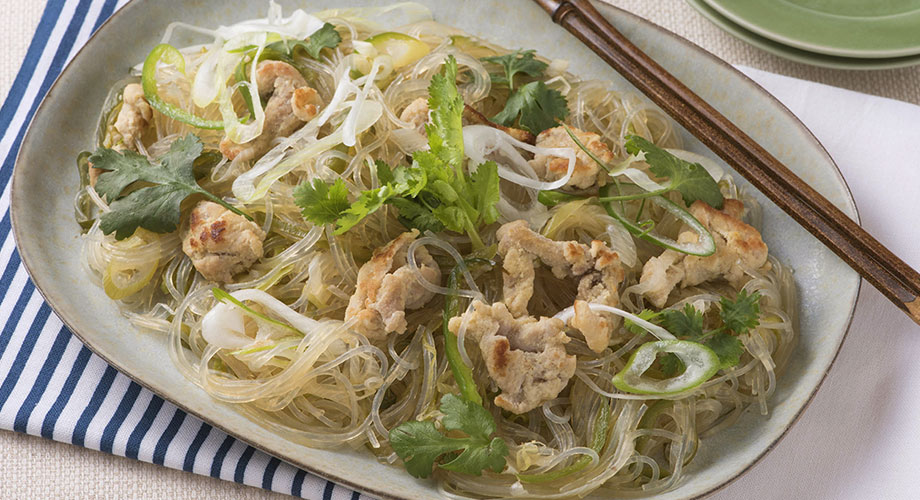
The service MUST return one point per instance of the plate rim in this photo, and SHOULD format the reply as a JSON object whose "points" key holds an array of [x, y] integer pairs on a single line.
{"points": [[732, 10], [798, 55], [49, 296]]}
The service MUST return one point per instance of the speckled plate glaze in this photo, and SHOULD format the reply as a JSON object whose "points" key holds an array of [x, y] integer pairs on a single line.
{"points": [[45, 181]]}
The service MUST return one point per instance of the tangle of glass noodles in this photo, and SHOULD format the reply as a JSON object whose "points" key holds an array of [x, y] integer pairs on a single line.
{"points": [[293, 365]]}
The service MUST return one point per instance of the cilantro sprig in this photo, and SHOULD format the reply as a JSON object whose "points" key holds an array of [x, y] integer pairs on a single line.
{"points": [[434, 193], [422, 447], [324, 38], [534, 106], [738, 317], [519, 61], [154, 206], [538, 106], [691, 180]]}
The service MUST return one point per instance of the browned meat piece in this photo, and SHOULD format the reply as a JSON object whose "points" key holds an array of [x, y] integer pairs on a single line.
{"points": [[290, 104], [220, 242], [132, 120], [597, 267], [662, 274], [306, 103], [586, 169], [387, 288], [416, 114], [738, 247], [525, 357]]}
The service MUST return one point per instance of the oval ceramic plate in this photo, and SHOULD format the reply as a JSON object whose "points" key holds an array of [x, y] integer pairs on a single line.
{"points": [[799, 55], [844, 28], [44, 184]]}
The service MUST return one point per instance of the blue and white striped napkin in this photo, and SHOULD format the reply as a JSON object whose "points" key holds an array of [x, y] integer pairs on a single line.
{"points": [[54, 387]]}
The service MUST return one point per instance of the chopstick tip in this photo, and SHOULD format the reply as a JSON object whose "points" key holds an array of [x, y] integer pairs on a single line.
{"points": [[913, 310]]}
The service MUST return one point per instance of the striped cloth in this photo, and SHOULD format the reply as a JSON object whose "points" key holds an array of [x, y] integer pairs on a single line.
{"points": [[52, 385]]}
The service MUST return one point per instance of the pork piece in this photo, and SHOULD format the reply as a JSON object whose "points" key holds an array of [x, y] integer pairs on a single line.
{"points": [[291, 103], [132, 120], [220, 242], [525, 356], [134, 115], [305, 103], [662, 274], [387, 288], [597, 268], [416, 114], [586, 169], [739, 247]]}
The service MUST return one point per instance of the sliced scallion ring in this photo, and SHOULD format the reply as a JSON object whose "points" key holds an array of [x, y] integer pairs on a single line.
{"points": [[170, 55], [703, 247], [700, 361]]}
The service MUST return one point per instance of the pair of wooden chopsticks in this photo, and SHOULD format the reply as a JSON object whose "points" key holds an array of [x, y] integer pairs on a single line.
{"points": [[853, 244]]}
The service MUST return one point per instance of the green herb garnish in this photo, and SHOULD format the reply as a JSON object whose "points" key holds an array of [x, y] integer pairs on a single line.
{"points": [[153, 207], [538, 106], [422, 446], [434, 193], [738, 317], [519, 61], [690, 179]]}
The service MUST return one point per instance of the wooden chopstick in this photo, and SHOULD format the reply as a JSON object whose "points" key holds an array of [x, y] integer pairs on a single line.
{"points": [[892, 276]]}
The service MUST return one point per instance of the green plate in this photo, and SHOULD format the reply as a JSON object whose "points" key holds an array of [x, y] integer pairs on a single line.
{"points": [[843, 28], [798, 55]]}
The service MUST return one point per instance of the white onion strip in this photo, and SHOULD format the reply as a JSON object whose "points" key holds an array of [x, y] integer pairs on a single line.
{"points": [[479, 141], [662, 334]]}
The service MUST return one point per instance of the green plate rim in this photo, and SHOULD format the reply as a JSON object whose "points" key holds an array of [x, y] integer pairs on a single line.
{"points": [[830, 34], [798, 55]]}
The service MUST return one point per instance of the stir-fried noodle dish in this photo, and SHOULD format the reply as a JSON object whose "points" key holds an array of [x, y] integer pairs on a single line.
{"points": [[463, 259]]}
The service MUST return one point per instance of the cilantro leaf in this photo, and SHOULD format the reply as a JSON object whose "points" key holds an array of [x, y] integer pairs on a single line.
{"points": [[420, 444], [415, 215], [474, 459], [321, 203], [539, 107], [690, 179], [466, 416], [445, 132], [453, 218], [367, 203], [729, 348], [646, 314], [154, 207], [519, 61], [484, 183], [407, 181], [686, 323], [325, 37], [741, 314]]}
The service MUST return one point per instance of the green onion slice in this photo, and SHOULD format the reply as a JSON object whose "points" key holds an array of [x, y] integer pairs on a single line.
{"points": [[704, 246], [168, 54], [700, 361]]}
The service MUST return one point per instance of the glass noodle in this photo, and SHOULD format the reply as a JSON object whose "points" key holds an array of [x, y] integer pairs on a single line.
{"points": [[300, 369]]}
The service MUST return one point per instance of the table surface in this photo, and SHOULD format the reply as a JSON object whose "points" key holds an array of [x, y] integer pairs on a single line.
{"points": [[39, 468]]}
